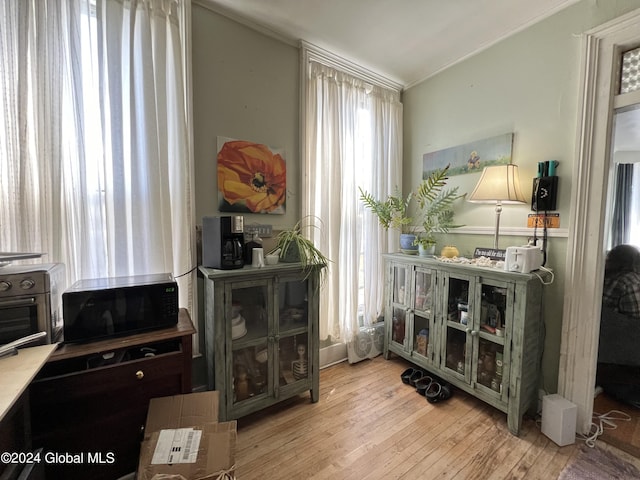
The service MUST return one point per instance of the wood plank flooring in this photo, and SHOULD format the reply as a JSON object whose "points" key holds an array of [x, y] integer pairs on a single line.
{"points": [[369, 425], [623, 434]]}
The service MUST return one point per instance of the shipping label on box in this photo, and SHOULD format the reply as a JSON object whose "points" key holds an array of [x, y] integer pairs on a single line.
{"points": [[184, 440], [177, 446]]}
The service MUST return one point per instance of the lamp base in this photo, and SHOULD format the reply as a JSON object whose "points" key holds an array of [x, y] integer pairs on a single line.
{"points": [[495, 235]]}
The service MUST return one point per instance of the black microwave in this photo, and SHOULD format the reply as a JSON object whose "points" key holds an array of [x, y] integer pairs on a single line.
{"points": [[102, 308]]}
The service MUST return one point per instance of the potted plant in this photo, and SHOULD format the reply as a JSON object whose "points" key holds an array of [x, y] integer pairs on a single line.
{"points": [[294, 247], [393, 213], [433, 210], [434, 204]]}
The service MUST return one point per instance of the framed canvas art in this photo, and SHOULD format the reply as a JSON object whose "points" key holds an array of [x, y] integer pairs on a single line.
{"points": [[252, 178], [470, 157]]}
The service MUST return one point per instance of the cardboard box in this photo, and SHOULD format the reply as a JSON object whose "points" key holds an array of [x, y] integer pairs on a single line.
{"points": [[184, 441]]}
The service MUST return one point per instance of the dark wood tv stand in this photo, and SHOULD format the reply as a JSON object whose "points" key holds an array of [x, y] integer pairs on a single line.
{"points": [[92, 399]]}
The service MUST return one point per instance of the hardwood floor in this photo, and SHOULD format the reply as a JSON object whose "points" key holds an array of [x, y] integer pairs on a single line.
{"points": [[624, 434], [369, 425]]}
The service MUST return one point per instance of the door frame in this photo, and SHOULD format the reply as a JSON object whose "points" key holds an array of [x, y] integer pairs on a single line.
{"points": [[601, 51]]}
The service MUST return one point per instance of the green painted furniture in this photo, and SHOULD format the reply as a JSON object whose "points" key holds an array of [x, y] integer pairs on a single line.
{"points": [[261, 336], [479, 328]]}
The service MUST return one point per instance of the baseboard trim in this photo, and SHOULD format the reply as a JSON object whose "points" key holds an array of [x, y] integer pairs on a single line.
{"points": [[333, 354]]}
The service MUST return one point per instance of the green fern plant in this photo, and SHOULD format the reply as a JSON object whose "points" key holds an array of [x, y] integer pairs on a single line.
{"points": [[433, 208], [391, 212]]}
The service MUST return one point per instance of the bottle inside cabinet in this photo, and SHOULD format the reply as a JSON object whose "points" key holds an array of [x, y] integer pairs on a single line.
{"points": [[249, 330], [250, 370], [490, 364], [398, 325], [293, 319], [456, 350], [457, 318], [421, 326], [492, 313], [457, 300], [423, 292], [400, 282]]}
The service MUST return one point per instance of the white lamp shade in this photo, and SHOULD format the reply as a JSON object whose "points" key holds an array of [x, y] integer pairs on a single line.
{"points": [[498, 184]]}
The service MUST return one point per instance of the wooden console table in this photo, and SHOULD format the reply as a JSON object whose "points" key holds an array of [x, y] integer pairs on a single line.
{"points": [[93, 398]]}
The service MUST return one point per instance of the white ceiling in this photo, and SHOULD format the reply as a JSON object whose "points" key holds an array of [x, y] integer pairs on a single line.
{"points": [[405, 41]]}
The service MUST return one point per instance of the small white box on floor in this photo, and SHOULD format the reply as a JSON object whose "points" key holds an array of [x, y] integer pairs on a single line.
{"points": [[559, 419]]}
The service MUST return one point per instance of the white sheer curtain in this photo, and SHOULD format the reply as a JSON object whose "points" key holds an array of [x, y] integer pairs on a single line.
{"points": [[353, 137], [625, 215], [96, 162]]}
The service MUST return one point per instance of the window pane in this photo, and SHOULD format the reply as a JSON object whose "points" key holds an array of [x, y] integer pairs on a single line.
{"points": [[630, 76]]}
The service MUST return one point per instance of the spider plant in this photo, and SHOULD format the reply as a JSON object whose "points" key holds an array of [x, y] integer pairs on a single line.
{"points": [[294, 246]]}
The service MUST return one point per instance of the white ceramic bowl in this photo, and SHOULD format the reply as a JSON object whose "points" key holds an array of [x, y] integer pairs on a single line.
{"points": [[271, 259], [262, 356], [238, 327]]}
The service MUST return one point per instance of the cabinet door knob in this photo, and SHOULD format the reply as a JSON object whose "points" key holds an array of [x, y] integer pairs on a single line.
{"points": [[139, 374]]}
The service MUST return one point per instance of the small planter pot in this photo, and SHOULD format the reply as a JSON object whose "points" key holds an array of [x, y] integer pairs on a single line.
{"points": [[291, 255], [406, 243], [426, 251]]}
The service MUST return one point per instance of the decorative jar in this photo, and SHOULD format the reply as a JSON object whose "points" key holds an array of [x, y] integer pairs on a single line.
{"points": [[449, 251]]}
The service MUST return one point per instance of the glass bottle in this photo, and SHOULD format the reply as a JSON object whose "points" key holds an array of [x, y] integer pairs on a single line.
{"points": [[255, 242]]}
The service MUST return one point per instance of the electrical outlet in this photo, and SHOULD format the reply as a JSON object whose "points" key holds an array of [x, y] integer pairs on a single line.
{"points": [[534, 242], [263, 231]]}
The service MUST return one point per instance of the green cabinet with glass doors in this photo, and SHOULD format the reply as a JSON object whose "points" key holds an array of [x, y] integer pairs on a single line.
{"points": [[261, 336], [479, 328]]}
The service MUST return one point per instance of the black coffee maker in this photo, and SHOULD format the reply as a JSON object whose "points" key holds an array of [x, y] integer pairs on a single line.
{"points": [[223, 242]]}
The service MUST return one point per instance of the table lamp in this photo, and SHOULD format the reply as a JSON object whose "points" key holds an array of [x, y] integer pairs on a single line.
{"points": [[498, 184]]}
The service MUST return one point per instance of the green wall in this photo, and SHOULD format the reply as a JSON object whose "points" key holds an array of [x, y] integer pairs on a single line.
{"points": [[527, 84], [246, 86]]}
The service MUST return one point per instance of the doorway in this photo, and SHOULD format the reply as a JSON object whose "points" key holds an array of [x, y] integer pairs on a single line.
{"points": [[600, 93], [617, 403]]}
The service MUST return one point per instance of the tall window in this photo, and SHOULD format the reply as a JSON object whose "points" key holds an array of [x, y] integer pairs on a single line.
{"points": [[352, 138], [95, 155]]}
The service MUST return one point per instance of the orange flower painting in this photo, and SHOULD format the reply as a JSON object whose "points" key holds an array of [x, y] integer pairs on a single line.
{"points": [[251, 178]]}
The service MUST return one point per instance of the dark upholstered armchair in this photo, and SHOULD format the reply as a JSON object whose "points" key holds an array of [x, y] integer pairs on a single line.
{"points": [[619, 339], [619, 356]]}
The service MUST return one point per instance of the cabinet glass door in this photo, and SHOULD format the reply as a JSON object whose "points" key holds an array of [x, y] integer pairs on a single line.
{"points": [[494, 323], [490, 365], [293, 332], [423, 308], [248, 320], [457, 319], [400, 297], [401, 286]]}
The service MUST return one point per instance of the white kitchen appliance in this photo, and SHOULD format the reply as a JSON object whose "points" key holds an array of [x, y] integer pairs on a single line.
{"points": [[523, 259]]}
